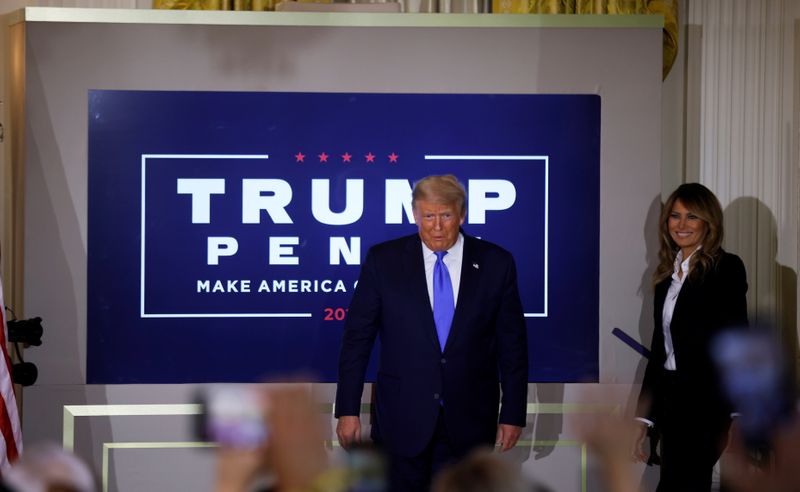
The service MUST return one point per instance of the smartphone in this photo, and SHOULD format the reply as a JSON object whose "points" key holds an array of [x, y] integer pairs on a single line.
{"points": [[366, 467], [233, 416], [758, 382]]}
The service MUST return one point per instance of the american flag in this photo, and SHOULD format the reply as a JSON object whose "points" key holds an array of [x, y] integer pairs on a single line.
{"points": [[11, 442]]}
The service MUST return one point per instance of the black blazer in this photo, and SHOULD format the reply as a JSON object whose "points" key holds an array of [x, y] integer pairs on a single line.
{"points": [[487, 342], [704, 307]]}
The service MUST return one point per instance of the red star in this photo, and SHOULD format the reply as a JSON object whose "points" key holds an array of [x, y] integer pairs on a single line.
{"points": [[346, 157], [299, 157], [323, 157], [393, 157], [370, 157]]}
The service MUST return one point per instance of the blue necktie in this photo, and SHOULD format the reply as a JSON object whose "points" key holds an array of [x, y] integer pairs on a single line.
{"points": [[443, 303]]}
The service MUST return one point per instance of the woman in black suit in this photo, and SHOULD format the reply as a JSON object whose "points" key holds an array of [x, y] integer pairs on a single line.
{"points": [[699, 290]]}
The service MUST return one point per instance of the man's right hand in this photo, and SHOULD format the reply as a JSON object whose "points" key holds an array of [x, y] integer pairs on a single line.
{"points": [[348, 430]]}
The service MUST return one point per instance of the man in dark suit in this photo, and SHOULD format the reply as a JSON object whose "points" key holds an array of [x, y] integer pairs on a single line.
{"points": [[451, 325]]}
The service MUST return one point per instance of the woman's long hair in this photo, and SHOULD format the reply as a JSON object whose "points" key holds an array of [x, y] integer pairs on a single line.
{"points": [[700, 201]]}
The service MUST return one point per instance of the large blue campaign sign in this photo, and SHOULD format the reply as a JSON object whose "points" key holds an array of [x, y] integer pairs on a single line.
{"points": [[226, 230]]}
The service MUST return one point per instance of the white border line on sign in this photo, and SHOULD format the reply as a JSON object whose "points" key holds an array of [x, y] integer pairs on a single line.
{"points": [[144, 158], [546, 160], [142, 312]]}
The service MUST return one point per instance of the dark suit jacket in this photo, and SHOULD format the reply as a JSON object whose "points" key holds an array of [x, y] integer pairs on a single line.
{"points": [[487, 340], [704, 308]]}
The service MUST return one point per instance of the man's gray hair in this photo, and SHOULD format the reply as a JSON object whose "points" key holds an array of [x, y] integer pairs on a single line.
{"points": [[444, 189]]}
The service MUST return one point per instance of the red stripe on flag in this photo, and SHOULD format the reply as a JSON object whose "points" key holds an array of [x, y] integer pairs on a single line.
{"points": [[8, 434], [9, 416], [3, 339]]}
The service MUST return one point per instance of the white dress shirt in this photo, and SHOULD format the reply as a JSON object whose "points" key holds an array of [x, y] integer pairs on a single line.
{"points": [[669, 308], [681, 266], [452, 261]]}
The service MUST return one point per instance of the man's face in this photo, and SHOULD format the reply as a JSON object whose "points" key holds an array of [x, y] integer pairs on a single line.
{"points": [[438, 224]]}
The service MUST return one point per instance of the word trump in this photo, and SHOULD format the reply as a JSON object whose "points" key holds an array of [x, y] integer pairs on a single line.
{"points": [[262, 198]]}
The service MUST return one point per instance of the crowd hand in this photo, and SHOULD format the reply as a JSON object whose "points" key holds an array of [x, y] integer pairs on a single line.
{"points": [[608, 438], [296, 453], [237, 468], [348, 430], [507, 436], [779, 475]]}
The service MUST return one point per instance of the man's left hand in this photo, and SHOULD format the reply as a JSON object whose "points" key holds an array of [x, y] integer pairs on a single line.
{"points": [[507, 436]]}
